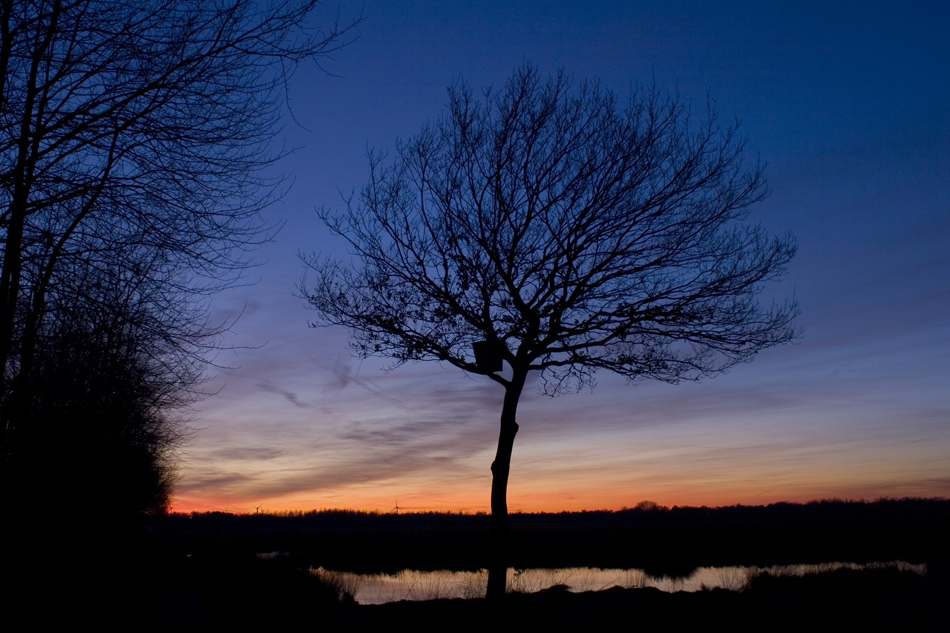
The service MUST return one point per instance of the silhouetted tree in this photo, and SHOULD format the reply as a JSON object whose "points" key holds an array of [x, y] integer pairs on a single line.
{"points": [[99, 418], [97, 441], [133, 135], [103, 406], [561, 232]]}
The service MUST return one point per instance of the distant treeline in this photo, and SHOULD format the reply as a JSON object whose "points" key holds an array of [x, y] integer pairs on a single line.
{"points": [[663, 541]]}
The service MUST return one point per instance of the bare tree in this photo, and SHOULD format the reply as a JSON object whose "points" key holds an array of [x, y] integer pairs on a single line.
{"points": [[561, 232], [133, 138]]}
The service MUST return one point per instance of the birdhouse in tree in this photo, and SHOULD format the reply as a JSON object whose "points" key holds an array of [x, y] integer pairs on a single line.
{"points": [[488, 355]]}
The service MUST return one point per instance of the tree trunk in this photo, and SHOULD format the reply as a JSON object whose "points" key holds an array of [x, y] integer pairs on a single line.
{"points": [[498, 556]]}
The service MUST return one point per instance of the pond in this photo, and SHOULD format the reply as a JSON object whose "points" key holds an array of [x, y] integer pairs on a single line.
{"points": [[432, 585]]}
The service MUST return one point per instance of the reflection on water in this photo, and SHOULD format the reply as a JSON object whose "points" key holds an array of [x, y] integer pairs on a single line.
{"points": [[432, 585]]}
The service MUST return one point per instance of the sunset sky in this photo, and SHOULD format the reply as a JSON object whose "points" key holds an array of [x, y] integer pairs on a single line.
{"points": [[847, 102]]}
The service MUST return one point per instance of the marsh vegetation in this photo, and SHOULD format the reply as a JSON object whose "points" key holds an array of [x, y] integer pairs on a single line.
{"points": [[670, 567], [660, 541]]}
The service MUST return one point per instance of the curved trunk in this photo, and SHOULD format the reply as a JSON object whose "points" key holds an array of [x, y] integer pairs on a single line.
{"points": [[498, 556]]}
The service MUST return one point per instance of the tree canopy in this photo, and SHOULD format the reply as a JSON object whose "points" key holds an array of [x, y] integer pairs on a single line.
{"points": [[133, 139], [576, 231]]}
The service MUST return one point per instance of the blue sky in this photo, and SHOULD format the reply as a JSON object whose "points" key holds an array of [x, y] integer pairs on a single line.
{"points": [[847, 102]]}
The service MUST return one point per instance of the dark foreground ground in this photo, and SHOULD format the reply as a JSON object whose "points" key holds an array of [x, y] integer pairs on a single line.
{"points": [[275, 596], [203, 573], [848, 601], [845, 600]]}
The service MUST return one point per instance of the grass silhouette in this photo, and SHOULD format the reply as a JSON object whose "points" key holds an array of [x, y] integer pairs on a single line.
{"points": [[216, 571]]}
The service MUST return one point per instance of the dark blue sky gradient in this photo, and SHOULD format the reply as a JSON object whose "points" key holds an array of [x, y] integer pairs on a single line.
{"points": [[847, 102]]}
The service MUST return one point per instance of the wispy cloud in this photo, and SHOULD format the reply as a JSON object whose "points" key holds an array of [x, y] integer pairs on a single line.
{"points": [[287, 394], [245, 453]]}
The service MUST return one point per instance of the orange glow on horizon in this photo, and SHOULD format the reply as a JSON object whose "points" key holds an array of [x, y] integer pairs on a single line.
{"points": [[534, 503]]}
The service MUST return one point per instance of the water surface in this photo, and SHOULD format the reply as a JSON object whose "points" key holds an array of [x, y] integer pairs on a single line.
{"points": [[432, 585]]}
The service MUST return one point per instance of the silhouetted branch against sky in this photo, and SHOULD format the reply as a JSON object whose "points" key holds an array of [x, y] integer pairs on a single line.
{"points": [[578, 230], [133, 141]]}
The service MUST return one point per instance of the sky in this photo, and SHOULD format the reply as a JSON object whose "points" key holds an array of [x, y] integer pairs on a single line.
{"points": [[848, 103]]}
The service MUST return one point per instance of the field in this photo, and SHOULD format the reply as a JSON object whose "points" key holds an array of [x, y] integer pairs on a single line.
{"points": [[246, 572]]}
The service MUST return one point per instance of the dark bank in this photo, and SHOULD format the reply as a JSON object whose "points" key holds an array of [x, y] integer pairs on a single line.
{"points": [[204, 572]]}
